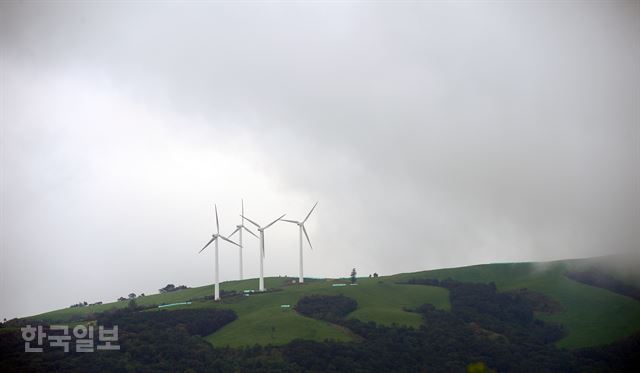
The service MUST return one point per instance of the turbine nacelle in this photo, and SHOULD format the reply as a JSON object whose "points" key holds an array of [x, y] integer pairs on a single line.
{"points": [[293, 222], [301, 224], [214, 238], [262, 228]]}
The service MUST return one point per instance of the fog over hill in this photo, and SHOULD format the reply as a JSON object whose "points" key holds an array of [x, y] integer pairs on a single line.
{"points": [[433, 135]]}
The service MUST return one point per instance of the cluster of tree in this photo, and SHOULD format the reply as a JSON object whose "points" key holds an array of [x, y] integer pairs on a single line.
{"points": [[506, 314], [171, 287], [326, 307], [375, 275], [131, 296], [84, 304], [473, 334], [596, 277], [539, 302], [449, 343], [163, 341], [195, 321], [484, 328]]}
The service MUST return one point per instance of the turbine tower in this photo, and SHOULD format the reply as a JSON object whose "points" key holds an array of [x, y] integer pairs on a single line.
{"points": [[302, 229], [261, 230], [214, 238], [239, 229]]}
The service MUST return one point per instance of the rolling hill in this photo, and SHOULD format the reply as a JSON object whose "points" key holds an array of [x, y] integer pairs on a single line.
{"points": [[592, 315]]}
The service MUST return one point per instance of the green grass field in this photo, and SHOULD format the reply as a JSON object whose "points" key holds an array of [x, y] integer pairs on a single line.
{"points": [[592, 315], [260, 315]]}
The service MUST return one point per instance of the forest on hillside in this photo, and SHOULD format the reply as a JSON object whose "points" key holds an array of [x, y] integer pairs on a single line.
{"points": [[496, 331]]}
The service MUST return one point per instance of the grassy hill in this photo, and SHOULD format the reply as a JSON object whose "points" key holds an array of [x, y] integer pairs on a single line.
{"points": [[592, 315]]}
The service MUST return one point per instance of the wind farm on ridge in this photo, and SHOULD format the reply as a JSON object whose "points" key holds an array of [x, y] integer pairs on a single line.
{"points": [[261, 230]]}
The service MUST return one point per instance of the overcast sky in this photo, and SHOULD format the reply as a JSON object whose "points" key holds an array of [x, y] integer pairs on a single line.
{"points": [[432, 134]]}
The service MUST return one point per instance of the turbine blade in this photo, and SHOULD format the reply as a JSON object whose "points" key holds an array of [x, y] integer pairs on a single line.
{"points": [[308, 240], [251, 221], [208, 243], [217, 223], [234, 232], [291, 221], [309, 214], [228, 240], [249, 230], [273, 222]]}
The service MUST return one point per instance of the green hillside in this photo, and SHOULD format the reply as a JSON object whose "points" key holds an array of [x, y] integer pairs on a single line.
{"points": [[378, 301], [262, 320], [592, 315]]}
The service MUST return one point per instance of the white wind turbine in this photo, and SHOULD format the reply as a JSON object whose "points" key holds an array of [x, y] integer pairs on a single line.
{"points": [[214, 238], [261, 230], [302, 229], [239, 229]]}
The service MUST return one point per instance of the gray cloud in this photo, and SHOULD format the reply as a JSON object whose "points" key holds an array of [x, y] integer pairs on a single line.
{"points": [[433, 135]]}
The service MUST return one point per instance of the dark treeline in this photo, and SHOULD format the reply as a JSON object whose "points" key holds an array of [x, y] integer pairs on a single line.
{"points": [[171, 287], [483, 326], [196, 322], [326, 307], [508, 314], [595, 277], [150, 341]]}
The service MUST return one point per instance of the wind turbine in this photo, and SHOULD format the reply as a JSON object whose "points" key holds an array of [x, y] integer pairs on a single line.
{"points": [[261, 230], [214, 238], [239, 229], [302, 229]]}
